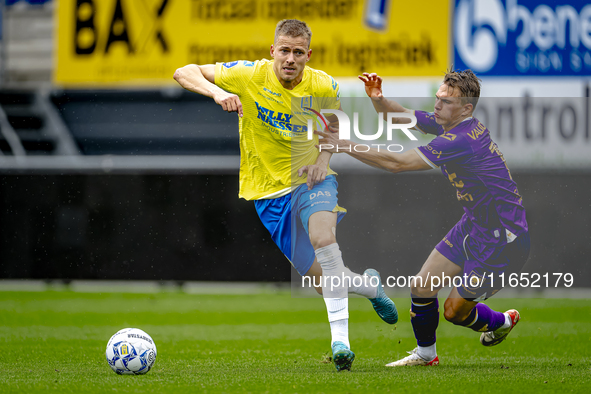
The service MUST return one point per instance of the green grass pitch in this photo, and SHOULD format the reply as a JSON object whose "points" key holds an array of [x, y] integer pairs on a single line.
{"points": [[54, 341]]}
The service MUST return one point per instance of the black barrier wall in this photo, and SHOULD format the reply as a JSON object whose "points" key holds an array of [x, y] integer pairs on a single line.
{"points": [[133, 227], [194, 227]]}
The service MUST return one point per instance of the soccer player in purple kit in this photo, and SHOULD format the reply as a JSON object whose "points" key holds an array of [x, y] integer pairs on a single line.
{"points": [[492, 236]]}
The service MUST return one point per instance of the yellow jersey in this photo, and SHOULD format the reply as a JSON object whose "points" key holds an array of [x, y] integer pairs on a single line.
{"points": [[274, 141]]}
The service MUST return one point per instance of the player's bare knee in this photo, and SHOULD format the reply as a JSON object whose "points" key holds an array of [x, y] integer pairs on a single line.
{"points": [[454, 316], [322, 240], [421, 291], [450, 315]]}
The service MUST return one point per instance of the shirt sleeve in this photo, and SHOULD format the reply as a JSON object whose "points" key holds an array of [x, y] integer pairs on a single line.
{"points": [[426, 123], [331, 93], [443, 149], [234, 76]]}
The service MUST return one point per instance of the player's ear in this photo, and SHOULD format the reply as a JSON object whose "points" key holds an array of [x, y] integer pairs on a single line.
{"points": [[272, 51], [468, 108], [309, 54]]}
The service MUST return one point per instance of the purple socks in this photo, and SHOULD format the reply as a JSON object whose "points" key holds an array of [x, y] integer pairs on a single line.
{"points": [[482, 318]]}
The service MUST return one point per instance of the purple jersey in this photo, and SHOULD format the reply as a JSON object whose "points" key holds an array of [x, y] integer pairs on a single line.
{"points": [[475, 166]]}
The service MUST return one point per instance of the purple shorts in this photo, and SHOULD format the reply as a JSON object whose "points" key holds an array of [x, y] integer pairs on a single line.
{"points": [[483, 277]]}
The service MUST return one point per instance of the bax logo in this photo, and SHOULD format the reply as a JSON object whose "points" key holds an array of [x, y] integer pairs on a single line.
{"points": [[345, 128], [523, 37]]}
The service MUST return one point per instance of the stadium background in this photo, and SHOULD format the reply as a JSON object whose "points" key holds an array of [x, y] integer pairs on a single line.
{"points": [[111, 171]]}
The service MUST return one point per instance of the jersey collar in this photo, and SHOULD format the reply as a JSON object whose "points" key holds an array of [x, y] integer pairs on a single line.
{"points": [[275, 80]]}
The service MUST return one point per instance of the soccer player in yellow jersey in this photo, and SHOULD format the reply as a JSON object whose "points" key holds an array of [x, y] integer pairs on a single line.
{"points": [[293, 188]]}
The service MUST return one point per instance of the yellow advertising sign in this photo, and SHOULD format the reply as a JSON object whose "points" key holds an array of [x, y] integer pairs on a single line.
{"points": [[142, 42]]}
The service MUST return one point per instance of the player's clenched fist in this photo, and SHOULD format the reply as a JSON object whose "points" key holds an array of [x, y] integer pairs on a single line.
{"points": [[373, 84], [228, 101]]}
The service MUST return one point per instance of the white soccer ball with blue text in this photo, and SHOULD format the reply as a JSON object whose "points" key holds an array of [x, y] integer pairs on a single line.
{"points": [[131, 352]]}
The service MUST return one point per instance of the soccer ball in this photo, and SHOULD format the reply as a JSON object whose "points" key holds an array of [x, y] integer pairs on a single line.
{"points": [[131, 352]]}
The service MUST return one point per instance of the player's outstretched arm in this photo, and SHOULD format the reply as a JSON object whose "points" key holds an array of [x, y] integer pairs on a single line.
{"points": [[316, 173], [378, 158], [201, 79], [373, 88]]}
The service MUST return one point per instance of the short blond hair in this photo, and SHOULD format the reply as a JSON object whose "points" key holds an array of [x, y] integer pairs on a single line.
{"points": [[293, 28]]}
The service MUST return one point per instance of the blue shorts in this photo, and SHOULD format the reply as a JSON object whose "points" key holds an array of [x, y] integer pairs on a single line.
{"points": [[493, 261], [287, 218]]}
